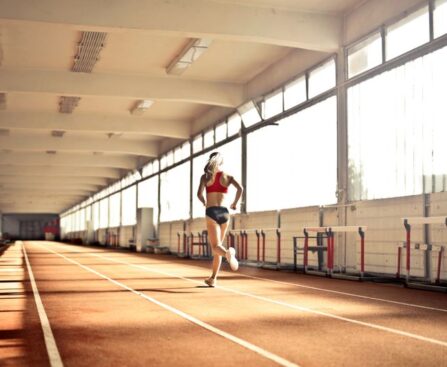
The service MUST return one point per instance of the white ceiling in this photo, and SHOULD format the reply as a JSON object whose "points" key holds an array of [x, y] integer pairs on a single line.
{"points": [[38, 41]]}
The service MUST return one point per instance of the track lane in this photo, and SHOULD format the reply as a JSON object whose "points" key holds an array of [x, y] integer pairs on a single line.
{"points": [[285, 319]]}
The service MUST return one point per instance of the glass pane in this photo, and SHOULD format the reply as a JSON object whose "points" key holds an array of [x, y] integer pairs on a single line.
{"points": [[148, 169], [174, 197], [197, 144], [221, 132], [291, 153], [129, 206], [234, 124], [163, 162], [295, 93], [322, 78], [104, 213], [440, 18], [409, 127], [148, 195], [407, 34], [178, 154], [209, 138], [249, 114], [365, 55], [272, 105], [186, 150], [115, 210], [170, 158]]}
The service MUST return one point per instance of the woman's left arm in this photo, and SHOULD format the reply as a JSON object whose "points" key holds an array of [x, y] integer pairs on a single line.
{"points": [[239, 192]]}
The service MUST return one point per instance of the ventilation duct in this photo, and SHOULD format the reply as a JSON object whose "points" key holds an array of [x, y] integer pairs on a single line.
{"points": [[88, 51], [68, 104], [2, 101], [57, 133]]}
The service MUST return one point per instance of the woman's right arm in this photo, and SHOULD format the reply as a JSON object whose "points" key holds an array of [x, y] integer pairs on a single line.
{"points": [[200, 190]]}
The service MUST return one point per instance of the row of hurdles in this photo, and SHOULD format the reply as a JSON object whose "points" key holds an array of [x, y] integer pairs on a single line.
{"points": [[324, 237]]}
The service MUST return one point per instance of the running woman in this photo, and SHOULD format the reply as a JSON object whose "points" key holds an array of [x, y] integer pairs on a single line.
{"points": [[216, 183]]}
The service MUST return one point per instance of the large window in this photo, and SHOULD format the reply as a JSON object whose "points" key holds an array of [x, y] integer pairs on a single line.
{"points": [[231, 153], [294, 164], [148, 195], [322, 78], [96, 215], [399, 149], [115, 210], [129, 206], [104, 213], [174, 193]]}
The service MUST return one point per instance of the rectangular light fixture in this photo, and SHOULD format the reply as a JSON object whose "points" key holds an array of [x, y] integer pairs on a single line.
{"points": [[141, 107], [193, 50]]}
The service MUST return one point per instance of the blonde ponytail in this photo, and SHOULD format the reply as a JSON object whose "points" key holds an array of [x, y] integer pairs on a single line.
{"points": [[212, 166]]}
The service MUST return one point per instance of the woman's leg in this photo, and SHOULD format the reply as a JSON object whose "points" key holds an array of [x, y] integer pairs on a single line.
{"points": [[214, 239]]}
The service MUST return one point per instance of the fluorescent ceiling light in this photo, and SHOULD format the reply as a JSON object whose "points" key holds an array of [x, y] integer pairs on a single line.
{"points": [[193, 50], [141, 107]]}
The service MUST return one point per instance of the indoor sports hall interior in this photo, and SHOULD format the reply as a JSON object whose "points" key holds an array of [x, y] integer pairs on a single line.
{"points": [[330, 120]]}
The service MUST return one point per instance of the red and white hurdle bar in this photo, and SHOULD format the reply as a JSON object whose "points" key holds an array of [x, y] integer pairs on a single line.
{"points": [[330, 231], [408, 222]]}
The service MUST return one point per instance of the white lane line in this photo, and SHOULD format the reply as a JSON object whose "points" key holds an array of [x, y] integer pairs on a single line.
{"points": [[344, 293], [347, 294], [266, 354], [288, 305], [50, 343]]}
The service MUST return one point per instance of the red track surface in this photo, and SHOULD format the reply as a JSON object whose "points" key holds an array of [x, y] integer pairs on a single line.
{"points": [[305, 320]]}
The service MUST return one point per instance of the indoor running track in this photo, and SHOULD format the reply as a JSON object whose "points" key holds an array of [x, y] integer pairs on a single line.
{"points": [[87, 306]]}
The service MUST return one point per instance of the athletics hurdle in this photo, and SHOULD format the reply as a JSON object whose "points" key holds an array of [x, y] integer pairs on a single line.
{"points": [[329, 232], [408, 246], [182, 241]]}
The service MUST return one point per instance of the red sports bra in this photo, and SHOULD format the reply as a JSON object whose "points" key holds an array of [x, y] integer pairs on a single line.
{"points": [[216, 186]]}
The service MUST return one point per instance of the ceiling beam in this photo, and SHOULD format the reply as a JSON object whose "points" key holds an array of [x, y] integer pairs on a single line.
{"points": [[48, 171], [194, 18], [67, 83], [42, 191], [68, 160], [27, 186], [39, 143], [62, 181], [94, 123]]}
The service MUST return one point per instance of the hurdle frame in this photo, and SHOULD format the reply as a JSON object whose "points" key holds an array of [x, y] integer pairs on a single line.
{"points": [[408, 222], [330, 231]]}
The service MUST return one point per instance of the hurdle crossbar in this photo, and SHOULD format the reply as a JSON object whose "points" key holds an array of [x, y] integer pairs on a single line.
{"points": [[425, 220]]}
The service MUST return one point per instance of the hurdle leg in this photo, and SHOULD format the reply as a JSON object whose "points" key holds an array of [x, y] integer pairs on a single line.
{"points": [[362, 252], [263, 246], [306, 249], [399, 254], [408, 262], [258, 243], [438, 274], [278, 247]]}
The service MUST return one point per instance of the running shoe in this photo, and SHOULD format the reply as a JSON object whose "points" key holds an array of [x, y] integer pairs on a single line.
{"points": [[210, 282], [231, 258]]}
